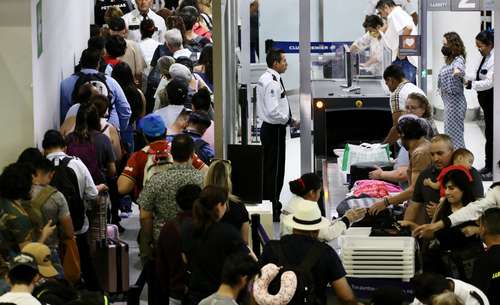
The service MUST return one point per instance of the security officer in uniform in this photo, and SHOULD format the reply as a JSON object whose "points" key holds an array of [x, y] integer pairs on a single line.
{"points": [[133, 20], [273, 108], [482, 82]]}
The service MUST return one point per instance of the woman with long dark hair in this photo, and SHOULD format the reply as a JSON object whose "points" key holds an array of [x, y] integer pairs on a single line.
{"points": [[122, 73], [307, 191], [451, 86], [459, 246], [90, 145], [482, 82], [208, 242], [204, 68], [454, 251]]}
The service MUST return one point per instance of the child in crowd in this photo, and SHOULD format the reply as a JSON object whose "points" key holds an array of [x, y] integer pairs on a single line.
{"points": [[239, 269], [23, 275], [307, 190], [461, 158]]}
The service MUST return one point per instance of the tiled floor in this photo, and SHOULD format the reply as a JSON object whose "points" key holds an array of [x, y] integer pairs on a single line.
{"points": [[474, 140]]}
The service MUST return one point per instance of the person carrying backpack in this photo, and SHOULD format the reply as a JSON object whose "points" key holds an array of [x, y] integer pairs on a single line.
{"points": [[119, 113], [198, 123], [73, 179], [131, 180], [47, 203], [115, 48], [315, 264]]}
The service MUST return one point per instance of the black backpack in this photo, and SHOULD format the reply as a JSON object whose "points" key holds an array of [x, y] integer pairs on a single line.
{"points": [[55, 292], [153, 81], [305, 293], [98, 80], [66, 182]]}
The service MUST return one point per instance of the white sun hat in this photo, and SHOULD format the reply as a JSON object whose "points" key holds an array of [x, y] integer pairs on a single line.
{"points": [[306, 218]]}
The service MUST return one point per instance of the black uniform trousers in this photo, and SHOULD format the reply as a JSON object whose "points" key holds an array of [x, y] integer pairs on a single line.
{"points": [[273, 139], [486, 102]]}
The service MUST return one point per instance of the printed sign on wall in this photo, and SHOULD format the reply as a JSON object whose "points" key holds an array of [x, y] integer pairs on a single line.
{"points": [[438, 5], [465, 5], [409, 45]]}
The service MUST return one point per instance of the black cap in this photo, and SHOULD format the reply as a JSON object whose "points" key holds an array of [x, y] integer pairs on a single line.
{"points": [[117, 24], [23, 259]]}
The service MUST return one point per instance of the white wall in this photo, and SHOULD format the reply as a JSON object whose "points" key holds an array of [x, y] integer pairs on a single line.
{"points": [[344, 19], [65, 34], [29, 104], [279, 20], [16, 110]]}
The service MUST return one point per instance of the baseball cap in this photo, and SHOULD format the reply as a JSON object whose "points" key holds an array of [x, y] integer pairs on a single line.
{"points": [[42, 255], [152, 125], [22, 259], [116, 24], [180, 71]]}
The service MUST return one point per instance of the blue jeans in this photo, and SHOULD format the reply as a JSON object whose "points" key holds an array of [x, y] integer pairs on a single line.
{"points": [[409, 69]]}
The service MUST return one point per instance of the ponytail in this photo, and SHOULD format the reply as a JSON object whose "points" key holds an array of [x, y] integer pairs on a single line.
{"points": [[204, 213], [487, 37], [305, 184]]}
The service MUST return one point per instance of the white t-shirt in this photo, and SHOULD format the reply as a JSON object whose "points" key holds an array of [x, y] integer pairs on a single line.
{"points": [[148, 47], [19, 298], [410, 6], [397, 20], [182, 53], [407, 89], [376, 51], [133, 20]]}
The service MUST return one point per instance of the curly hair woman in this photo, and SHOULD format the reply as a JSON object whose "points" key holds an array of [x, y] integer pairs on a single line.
{"points": [[451, 86]]}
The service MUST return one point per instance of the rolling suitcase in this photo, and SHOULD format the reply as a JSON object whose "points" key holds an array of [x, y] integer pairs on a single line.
{"points": [[112, 261], [360, 171]]}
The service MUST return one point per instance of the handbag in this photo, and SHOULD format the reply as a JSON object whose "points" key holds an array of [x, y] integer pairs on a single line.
{"points": [[70, 258], [365, 152], [459, 263]]}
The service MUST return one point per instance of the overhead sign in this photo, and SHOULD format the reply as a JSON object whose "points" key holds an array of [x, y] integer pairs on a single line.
{"points": [[460, 5], [409, 45], [465, 5], [489, 5], [438, 5], [316, 47]]}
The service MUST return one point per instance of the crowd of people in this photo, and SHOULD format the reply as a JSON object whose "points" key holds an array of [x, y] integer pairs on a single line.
{"points": [[136, 126]]}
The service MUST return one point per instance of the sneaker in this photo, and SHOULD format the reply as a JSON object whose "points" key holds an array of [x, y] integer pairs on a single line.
{"points": [[487, 176]]}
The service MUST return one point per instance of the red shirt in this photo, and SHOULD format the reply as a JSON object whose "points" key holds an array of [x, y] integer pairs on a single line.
{"points": [[137, 161], [201, 31]]}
